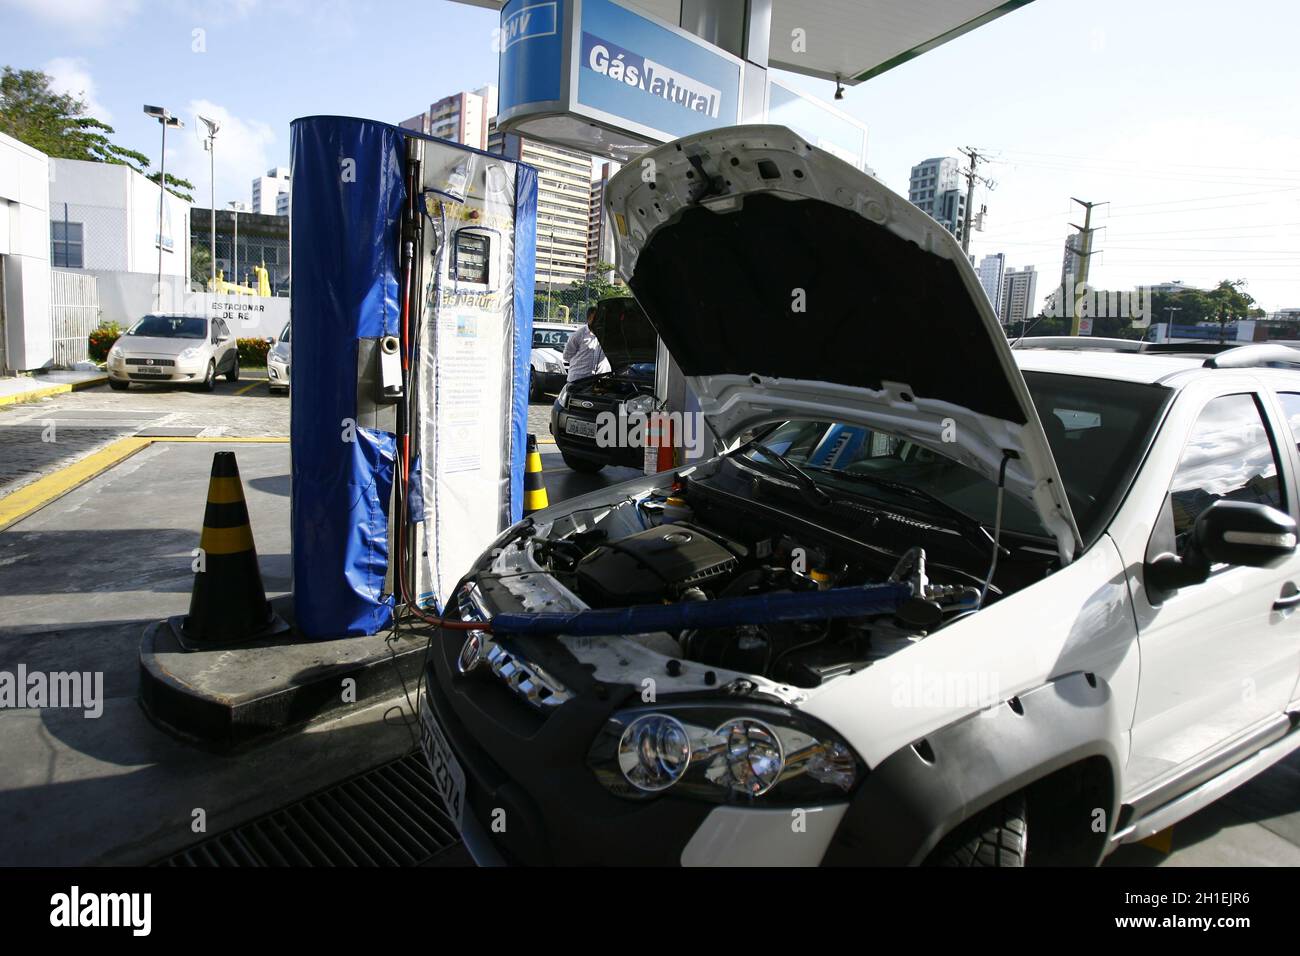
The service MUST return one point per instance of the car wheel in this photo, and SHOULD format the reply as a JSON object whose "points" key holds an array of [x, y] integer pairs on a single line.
{"points": [[210, 379], [583, 466], [233, 374], [117, 386], [996, 836]]}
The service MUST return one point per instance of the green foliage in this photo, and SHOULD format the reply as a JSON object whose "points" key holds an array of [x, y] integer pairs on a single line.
{"points": [[252, 352], [200, 263], [57, 125], [101, 339]]}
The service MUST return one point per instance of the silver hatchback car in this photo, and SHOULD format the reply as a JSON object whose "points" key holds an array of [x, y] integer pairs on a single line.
{"points": [[278, 360], [191, 349]]}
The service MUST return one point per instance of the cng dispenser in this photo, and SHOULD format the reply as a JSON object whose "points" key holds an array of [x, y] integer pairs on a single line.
{"points": [[412, 306]]}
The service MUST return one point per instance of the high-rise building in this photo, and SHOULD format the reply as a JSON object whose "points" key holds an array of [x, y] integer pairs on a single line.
{"points": [[1019, 288], [563, 205], [600, 232], [463, 117], [992, 268], [1070, 263], [267, 191], [936, 187]]}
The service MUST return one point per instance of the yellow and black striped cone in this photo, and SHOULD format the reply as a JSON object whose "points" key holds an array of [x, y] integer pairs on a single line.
{"points": [[534, 486], [228, 604]]}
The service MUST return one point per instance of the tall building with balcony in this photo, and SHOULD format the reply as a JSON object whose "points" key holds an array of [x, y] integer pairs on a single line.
{"points": [[936, 187], [992, 269], [1019, 295], [463, 117], [271, 193], [600, 232]]}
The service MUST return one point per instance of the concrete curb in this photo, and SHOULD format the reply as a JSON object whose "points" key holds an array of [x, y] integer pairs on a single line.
{"points": [[47, 391]]}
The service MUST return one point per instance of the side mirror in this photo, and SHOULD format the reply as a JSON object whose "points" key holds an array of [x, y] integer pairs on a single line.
{"points": [[1241, 533]]}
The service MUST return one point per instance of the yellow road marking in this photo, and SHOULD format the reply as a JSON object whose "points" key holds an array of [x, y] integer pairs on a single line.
{"points": [[249, 388], [19, 504], [60, 389]]}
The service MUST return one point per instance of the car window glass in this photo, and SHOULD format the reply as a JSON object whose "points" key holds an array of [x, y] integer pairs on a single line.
{"points": [[1229, 456], [1291, 407]]}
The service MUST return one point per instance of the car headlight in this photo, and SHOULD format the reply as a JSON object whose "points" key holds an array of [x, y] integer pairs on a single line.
{"points": [[641, 405], [555, 366], [190, 354], [563, 398], [712, 752], [115, 353]]}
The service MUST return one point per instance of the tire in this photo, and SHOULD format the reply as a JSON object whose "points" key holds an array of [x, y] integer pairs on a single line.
{"points": [[996, 836], [233, 374], [117, 386], [209, 382], [583, 466]]}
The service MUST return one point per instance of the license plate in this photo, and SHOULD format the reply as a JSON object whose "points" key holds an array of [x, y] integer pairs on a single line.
{"points": [[148, 369], [448, 777], [576, 426]]}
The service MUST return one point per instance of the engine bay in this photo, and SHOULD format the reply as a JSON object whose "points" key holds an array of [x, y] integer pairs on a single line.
{"points": [[698, 541]]}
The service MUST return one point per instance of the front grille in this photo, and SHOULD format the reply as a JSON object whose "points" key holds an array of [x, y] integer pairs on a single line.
{"points": [[390, 816], [147, 361], [536, 687]]}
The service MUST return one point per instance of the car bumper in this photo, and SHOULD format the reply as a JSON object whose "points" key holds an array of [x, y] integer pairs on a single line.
{"points": [[580, 446], [277, 374], [549, 381], [132, 373]]}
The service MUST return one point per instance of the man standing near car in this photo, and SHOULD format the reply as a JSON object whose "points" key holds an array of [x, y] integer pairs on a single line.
{"points": [[583, 353]]}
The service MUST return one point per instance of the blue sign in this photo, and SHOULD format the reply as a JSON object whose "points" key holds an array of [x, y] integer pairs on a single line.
{"points": [[531, 43], [657, 80]]}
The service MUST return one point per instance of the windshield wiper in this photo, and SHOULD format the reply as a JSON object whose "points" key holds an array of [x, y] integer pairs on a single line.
{"points": [[965, 521], [807, 482]]}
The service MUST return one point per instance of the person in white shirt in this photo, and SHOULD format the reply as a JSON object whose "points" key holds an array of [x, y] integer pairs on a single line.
{"points": [[583, 353]]}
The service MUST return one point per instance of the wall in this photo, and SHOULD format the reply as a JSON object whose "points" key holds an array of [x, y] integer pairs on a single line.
{"points": [[25, 338], [124, 297]]}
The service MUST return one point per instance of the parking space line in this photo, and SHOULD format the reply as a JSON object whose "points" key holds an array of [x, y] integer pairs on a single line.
{"points": [[26, 501], [248, 387], [18, 398]]}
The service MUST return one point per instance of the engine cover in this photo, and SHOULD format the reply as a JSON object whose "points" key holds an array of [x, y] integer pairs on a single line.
{"points": [[651, 565]]}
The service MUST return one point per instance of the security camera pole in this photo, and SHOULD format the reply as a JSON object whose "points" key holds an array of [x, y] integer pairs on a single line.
{"points": [[165, 119], [210, 144]]}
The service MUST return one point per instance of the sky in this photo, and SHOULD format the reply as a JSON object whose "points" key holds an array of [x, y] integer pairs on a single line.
{"points": [[1184, 118]]}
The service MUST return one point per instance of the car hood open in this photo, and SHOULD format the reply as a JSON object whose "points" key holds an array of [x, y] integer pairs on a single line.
{"points": [[624, 333], [788, 284]]}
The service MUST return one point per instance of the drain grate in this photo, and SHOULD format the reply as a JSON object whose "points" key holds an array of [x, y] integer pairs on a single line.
{"points": [[389, 816]]}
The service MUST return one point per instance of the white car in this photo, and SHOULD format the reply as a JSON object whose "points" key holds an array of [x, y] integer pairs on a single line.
{"points": [[190, 349], [278, 359], [548, 372], [937, 601]]}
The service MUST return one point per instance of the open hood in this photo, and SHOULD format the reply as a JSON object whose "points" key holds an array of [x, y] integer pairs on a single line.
{"points": [[624, 333], [788, 284]]}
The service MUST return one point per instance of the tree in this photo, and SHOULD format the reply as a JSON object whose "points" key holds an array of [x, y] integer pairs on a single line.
{"points": [[1230, 303], [57, 124]]}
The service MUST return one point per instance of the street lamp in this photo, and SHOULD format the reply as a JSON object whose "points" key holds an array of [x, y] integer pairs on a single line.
{"points": [[235, 268], [209, 143], [165, 119]]}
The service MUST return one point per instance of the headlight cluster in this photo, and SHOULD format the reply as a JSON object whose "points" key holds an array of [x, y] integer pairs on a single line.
{"points": [[555, 366], [714, 753], [641, 405], [563, 398], [188, 355], [115, 353]]}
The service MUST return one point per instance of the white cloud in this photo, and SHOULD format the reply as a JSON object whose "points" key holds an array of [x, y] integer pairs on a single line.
{"points": [[245, 149], [85, 19], [71, 75]]}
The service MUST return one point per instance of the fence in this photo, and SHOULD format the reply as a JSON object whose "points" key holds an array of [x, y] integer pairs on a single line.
{"points": [[74, 312]]}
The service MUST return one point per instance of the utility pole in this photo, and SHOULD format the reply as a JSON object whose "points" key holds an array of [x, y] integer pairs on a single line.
{"points": [[210, 144], [1084, 252], [974, 157], [165, 119]]}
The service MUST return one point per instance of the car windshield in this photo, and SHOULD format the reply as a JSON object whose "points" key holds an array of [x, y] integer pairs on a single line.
{"points": [[171, 327], [551, 338], [284, 334], [1097, 429]]}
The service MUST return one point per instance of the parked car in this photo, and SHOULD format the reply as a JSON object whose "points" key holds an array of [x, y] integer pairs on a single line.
{"points": [[939, 602], [549, 368], [629, 343], [174, 348], [278, 360]]}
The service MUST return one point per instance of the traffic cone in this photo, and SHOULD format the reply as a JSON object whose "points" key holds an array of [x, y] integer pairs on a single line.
{"points": [[228, 604], [534, 487]]}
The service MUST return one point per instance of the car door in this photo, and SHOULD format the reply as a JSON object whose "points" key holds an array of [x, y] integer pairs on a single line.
{"points": [[226, 348], [1288, 407], [1218, 658]]}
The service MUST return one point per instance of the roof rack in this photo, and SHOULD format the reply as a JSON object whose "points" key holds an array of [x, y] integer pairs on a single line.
{"points": [[1078, 343], [1256, 356]]}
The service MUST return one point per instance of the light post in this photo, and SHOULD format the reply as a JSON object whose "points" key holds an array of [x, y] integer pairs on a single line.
{"points": [[210, 144], [165, 119], [235, 267]]}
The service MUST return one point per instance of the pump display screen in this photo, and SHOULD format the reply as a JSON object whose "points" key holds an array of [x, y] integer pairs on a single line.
{"points": [[472, 258]]}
